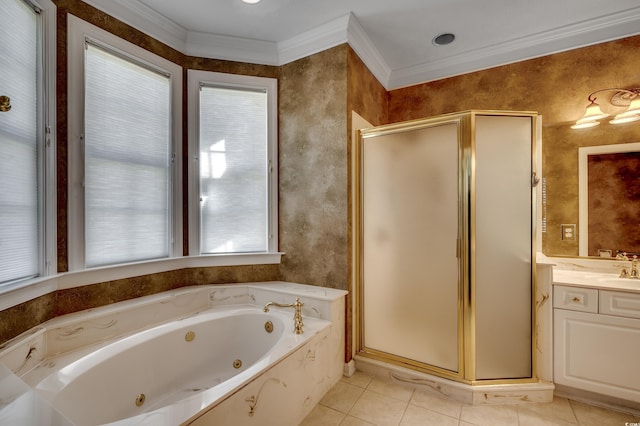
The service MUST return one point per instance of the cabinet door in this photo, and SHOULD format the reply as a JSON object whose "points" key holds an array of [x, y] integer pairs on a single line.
{"points": [[597, 353]]}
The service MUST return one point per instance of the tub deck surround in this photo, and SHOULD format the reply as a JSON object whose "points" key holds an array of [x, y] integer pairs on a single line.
{"points": [[52, 355], [21, 405]]}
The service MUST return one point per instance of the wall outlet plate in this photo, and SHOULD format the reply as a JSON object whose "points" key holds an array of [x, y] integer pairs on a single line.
{"points": [[568, 231]]}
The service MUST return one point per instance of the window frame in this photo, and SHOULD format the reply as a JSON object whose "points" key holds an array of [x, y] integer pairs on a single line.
{"points": [[196, 78], [78, 32], [47, 131]]}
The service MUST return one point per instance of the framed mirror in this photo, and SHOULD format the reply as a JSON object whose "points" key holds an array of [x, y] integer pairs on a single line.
{"points": [[609, 200]]}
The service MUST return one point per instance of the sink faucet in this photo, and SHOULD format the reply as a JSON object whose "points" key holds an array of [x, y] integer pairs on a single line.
{"points": [[623, 272], [633, 273], [297, 315], [634, 268]]}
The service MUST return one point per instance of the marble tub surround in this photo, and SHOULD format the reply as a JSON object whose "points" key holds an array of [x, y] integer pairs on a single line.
{"points": [[65, 295], [65, 339], [21, 405]]}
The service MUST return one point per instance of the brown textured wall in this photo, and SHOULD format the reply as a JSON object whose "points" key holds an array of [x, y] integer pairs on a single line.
{"points": [[365, 94], [20, 318], [556, 86], [24, 316], [92, 296], [313, 169]]}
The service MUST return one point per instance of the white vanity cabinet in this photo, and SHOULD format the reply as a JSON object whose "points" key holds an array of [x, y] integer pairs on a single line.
{"points": [[597, 340]]}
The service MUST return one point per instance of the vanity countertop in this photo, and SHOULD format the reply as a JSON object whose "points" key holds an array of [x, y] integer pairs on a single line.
{"points": [[597, 280]]}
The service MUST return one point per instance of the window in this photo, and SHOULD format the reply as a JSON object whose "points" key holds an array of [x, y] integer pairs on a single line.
{"points": [[27, 173], [125, 149], [234, 179]]}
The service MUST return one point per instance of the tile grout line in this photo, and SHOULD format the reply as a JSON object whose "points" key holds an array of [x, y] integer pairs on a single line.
{"points": [[406, 407], [573, 411]]}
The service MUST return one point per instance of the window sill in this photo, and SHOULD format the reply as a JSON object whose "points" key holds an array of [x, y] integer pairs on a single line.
{"points": [[24, 291]]}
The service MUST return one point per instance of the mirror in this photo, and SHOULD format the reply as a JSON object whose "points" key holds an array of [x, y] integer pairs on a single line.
{"points": [[609, 199], [561, 190]]}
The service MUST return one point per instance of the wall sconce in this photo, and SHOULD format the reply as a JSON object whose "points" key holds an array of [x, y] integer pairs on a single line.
{"points": [[629, 99]]}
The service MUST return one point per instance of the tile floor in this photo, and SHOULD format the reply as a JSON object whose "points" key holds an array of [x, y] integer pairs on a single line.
{"points": [[363, 400]]}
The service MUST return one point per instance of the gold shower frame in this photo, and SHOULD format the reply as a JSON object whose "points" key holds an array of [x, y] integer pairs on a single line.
{"points": [[465, 122]]}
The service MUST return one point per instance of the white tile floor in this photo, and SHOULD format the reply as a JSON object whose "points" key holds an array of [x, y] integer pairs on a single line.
{"points": [[363, 400]]}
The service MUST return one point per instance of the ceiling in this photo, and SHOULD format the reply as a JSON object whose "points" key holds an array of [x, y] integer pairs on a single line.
{"points": [[392, 37]]}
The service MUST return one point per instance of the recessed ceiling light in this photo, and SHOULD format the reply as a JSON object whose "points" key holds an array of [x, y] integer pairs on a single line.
{"points": [[443, 39], [251, 1]]}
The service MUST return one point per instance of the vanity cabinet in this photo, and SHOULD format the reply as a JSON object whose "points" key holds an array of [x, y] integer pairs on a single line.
{"points": [[597, 340]]}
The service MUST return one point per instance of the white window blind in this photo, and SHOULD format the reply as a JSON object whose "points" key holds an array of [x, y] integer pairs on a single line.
{"points": [[19, 142], [234, 178], [127, 144]]}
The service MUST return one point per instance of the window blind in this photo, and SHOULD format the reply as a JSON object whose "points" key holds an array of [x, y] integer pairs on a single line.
{"points": [[233, 170], [19, 199], [127, 149]]}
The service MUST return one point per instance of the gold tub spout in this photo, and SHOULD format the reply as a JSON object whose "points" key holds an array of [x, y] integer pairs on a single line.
{"points": [[297, 315]]}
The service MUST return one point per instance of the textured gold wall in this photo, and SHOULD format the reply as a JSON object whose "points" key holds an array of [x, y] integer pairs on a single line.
{"points": [[556, 86], [313, 169]]}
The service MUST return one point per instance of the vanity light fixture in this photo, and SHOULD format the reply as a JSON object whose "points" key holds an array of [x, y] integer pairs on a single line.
{"points": [[629, 99], [251, 1]]}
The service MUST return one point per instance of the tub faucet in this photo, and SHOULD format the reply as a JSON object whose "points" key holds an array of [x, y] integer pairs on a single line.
{"points": [[297, 315]]}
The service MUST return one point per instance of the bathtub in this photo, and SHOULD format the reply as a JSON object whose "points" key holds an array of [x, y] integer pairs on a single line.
{"points": [[229, 363]]}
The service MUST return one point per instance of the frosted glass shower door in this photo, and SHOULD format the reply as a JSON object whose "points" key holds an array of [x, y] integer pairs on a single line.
{"points": [[409, 231], [503, 261]]}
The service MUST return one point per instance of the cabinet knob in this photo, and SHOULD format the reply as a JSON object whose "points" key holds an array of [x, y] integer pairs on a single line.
{"points": [[576, 299]]}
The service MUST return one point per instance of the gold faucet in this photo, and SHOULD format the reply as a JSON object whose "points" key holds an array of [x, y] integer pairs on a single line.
{"points": [[297, 315], [633, 272], [623, 272], [634, 268]]}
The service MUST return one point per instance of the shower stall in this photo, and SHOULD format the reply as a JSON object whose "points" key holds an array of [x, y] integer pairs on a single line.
{"points": [[445, 238]]}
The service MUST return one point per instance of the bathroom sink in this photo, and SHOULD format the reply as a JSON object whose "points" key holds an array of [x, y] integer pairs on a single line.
{"points": [[617, 282], [596, 279]]}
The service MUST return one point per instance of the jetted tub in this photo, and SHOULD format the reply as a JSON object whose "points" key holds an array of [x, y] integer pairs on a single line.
{"points": [[230, 363]]}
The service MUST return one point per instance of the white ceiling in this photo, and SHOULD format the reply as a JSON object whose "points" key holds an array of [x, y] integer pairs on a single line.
{"points": [[393, 37]]}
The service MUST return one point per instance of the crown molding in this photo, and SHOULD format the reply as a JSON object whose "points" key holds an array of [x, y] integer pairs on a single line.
{"points": [[316, 40], [215, 46], [367, 51], [145, 19], [585, 33], [347, 29]]}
